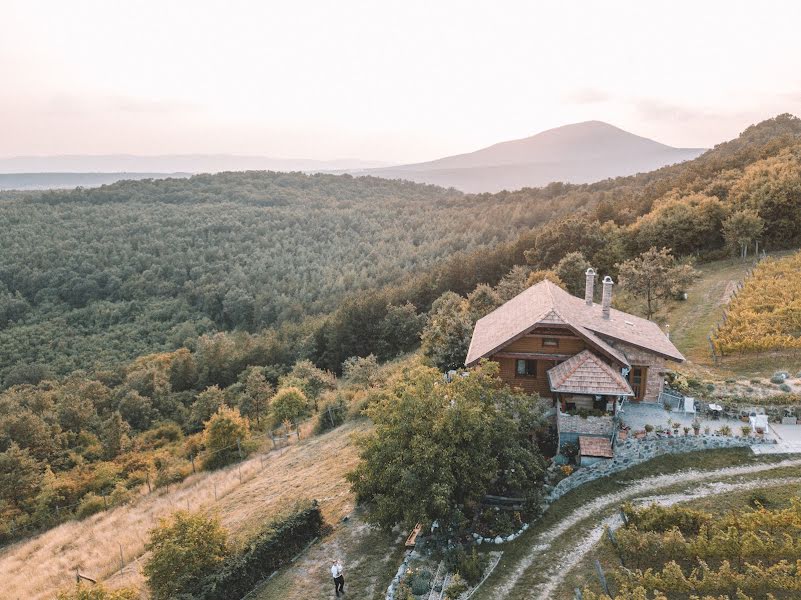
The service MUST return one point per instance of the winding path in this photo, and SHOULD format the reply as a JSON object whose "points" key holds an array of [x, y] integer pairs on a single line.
{"points": [[641, 488]]}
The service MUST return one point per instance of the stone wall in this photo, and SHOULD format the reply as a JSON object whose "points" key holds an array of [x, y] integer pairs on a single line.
{"points": [[633, 451], [655, 377]]}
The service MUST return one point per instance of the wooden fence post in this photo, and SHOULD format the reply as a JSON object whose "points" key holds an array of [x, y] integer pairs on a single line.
{"points": [[239, 448], [602, 577], [193, 462]]}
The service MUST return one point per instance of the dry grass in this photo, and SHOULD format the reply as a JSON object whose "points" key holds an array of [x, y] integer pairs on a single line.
{"points": [[313, 468]]}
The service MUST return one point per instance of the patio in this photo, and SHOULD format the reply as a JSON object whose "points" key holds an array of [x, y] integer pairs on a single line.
{"points": [[637, 415]]}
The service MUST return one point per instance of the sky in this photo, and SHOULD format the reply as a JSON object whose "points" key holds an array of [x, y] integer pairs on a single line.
{"points": [[393, 81]]}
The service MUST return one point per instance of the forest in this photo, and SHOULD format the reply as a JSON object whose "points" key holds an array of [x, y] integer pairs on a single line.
{"points": [[94, 277]]}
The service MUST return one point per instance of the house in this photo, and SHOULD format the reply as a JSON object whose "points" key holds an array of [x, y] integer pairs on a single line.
{"points": [[572, 350], [586, 357]]}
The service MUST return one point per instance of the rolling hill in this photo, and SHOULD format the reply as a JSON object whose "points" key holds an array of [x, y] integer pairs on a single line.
{"points": [[578, 153]]}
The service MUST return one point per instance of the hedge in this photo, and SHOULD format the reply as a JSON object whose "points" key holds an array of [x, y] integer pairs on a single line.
{"points": [[265, 554]]}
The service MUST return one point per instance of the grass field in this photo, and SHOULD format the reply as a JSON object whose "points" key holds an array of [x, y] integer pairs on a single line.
{"points": [[312, 468]]}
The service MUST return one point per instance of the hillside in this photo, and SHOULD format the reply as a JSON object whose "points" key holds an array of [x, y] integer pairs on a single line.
{"points": [[97, 277], [50, 181], [578, 153]]}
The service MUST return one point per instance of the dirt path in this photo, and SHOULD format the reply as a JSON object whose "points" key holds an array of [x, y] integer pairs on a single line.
{"points": [[639, 488]]}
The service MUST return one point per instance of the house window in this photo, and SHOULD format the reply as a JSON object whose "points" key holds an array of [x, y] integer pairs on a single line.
{"points": [[550, 342], [637, 379], [526, 368]]}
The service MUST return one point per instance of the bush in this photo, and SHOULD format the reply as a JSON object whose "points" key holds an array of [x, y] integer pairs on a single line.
{"points": [[649, 428], [421, 583], [97, 592], [332, 413], [183, 550], [289, 404], [90, 504], [456, 587], [724, 430], [226, 435], [785, 388], [569, 451], [746, 430], [267, 552], [469, 566], [777, 379]]}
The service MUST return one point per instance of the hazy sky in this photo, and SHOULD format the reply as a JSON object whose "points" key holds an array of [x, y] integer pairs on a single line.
{"points": [[394, 81]]}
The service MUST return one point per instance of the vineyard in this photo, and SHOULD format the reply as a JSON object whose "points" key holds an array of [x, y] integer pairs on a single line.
{"points": [[766, 314], [677, 553]]}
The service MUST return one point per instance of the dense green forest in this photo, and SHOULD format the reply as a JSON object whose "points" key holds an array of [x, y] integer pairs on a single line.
{"points": [[93, 277]]}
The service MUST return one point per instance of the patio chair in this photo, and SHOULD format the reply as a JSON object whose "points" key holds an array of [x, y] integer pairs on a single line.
{"points": [[689, 405]]}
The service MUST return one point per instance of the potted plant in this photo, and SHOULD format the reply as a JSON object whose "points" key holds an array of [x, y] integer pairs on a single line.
{"points": [[746, 429], [706, 430], [696, 426], [687, 431], [648, 430]]}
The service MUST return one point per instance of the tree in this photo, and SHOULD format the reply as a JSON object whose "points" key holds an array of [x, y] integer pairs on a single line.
{"points": [[361, 371], [536, 276], [570, 234], [572, 270], [20, 476], [400, 330], [225, 436], [741, 229], [313, 381], [289, 404], [655, 275], [258, 392], [513, 283], [114, 435], [183, 549], [482, 301], [438, 449], [446, 337], [205, 405]]}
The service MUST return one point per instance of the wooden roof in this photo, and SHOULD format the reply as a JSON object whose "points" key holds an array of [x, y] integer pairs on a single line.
{"points": [[587, 374], [547, 304], [595, 446]]}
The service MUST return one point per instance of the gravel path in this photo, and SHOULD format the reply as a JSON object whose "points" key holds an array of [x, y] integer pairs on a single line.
{"points": [[640, 487]]}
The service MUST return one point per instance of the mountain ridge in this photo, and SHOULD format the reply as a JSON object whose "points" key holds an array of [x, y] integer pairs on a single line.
{"points": [[575, 153]]}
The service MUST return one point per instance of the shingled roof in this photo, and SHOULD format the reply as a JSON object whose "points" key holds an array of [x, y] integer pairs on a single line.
{"points": [[595, 446], [547, 304], [587, 374]]}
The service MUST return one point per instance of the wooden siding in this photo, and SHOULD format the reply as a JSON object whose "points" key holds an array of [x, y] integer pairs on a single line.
{"points": [[538, 384], [569, 345]]}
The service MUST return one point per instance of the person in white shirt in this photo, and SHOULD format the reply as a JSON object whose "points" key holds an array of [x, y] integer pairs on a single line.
{"points": [[339, 578]]}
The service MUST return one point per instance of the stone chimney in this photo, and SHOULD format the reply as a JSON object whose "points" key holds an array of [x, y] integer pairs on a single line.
{"points": [[589, 287], [606, 300]]}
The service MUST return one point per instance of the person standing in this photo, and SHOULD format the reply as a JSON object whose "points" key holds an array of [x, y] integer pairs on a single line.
{"points": [[339, 578]]}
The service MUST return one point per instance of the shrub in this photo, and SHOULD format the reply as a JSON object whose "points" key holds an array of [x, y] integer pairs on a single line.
{"points": [[567, 470], [97, 592], [183, 549], [90, 504], [263, 555], [724, 430], [332, 413], [569, 451], [226, 435], [421, 583], [456, 587], [746, 430], [649, 428], [777, 379], [289, 404], [469, 566], [784, 387], [120, 495]]}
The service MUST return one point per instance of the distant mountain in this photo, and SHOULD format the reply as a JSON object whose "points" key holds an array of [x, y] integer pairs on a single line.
{"points": [[54, 181], [579, 153], [172, 163]]}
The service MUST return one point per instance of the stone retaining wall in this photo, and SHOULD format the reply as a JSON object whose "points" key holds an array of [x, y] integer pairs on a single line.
{"points": [[633, 452]]}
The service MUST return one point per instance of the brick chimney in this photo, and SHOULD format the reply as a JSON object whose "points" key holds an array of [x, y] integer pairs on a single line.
{"points": [[589, 287], [606, 300]]}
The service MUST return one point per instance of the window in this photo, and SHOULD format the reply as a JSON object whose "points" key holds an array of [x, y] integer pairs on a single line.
{"points": [[526, 368], [550, 342], [637, 378]]}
